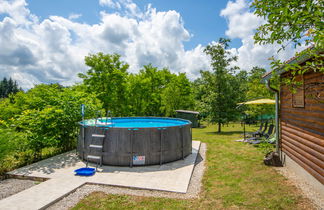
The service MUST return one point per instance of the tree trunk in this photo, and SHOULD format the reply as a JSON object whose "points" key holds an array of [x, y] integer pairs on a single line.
{"points": [[219, 127]]}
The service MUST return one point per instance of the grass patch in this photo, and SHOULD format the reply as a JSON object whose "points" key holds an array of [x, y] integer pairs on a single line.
{"points": [[235, 177]]}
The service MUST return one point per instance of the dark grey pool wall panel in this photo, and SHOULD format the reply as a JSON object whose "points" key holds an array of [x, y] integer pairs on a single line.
{"points": [[121, 145]]}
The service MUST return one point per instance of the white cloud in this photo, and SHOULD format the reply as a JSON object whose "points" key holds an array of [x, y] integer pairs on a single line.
{"points": [[16, 9], [242, 24], [53, 50], [74, 16], [132, 10], [233, 8], [125, 7], [110, 3]]}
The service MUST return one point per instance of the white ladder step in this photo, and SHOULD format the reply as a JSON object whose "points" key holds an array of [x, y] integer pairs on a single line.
{"points": [[95, 146], [98, 135], [93, 157]]}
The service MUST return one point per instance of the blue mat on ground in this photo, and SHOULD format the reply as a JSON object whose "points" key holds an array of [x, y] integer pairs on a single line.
{"points": [[85, 171]]}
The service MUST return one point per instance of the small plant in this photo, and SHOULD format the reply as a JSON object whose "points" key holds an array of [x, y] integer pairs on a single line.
{"points": [[265, 147]]}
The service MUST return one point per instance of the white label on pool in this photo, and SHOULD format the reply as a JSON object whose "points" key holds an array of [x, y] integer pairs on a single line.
{"points": [[138, 160]]}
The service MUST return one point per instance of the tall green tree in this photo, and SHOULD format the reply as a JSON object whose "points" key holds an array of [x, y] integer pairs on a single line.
{"points": [[242, 80], [257, 90], [145, 90], [177, 95], [137, 89], [155, 81], [219, 86], [158, 92], [107, 79]]}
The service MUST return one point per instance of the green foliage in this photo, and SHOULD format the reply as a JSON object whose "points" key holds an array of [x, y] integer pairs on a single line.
{"points": [[151, 92], [107, 79], [294, 21], [12, 145], [219, 95], [47, 115], [146, 88], [154, 92], [314, 63], [297, 21], [177, 95], [8, 87], [242, 79], [265, 147], [11, 141], [9, 109], [257, 90]]}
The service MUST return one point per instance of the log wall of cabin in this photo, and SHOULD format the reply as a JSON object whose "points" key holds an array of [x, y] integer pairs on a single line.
{"points": [[302, 128]]}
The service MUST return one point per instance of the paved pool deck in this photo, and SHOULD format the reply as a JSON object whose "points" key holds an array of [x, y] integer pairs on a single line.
{"points": [[59, 171]]}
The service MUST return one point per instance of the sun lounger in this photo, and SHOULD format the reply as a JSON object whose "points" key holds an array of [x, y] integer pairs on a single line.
{"points": [[252, 134], [256, 140]]}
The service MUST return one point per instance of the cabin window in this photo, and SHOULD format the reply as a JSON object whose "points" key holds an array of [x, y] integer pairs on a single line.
{"points": [[298, 96]]}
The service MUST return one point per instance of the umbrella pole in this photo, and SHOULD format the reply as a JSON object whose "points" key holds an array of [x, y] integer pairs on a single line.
{"points": [[244, 130], [244, 126]]}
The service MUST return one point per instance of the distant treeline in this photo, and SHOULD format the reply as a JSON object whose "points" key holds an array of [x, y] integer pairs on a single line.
{"points": [[8, 86]]}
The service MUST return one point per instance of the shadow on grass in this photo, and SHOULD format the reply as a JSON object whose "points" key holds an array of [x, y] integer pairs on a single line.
{"points": [[201, 127], [227, 133]]}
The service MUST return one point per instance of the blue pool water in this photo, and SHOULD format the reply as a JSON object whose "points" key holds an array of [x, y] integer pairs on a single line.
{"points": [[136, 122]]}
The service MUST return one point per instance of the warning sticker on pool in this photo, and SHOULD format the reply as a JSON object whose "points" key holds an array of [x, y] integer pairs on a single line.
{"points": [[138, 160]]}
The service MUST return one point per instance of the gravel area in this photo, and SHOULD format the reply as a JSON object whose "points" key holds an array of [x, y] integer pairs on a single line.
{"points": [[192, 192], [9, 187], [303, 187]]}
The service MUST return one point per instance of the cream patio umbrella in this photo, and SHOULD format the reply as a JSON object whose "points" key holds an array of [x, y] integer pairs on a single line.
{"points": [[259, 101]]}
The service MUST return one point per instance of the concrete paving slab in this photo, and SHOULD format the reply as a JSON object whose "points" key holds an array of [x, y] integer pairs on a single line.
{"points": [[174, 177], [41, 195]]}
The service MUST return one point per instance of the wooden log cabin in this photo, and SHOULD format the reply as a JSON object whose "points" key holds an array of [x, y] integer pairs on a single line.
{"points": [[301, 120]]}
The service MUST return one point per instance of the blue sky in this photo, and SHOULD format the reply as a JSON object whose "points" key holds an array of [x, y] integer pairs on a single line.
{"points": [[45, 41]]}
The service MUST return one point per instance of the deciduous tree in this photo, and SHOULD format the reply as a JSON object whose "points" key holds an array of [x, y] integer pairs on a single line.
{"points": [[220, 86], [107, 78]]}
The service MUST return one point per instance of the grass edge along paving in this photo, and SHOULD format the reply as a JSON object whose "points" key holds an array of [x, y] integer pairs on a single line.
{"points": [[235, 177]]}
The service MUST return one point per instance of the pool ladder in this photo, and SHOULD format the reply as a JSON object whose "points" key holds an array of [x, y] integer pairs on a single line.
{"points": [[95, 146]]}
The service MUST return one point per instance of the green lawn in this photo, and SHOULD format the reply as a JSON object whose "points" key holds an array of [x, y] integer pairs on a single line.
{"points": [[235, 178]]}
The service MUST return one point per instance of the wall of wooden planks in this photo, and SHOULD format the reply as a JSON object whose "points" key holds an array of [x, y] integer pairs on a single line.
{"points": [[302, 128]]}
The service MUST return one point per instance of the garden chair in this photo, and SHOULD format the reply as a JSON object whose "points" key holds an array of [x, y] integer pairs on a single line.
{"points": [[260, 134], [267, 136], [257, 135], [253, 134]]}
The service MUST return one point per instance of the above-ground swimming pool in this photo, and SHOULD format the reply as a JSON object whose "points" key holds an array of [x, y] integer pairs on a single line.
{"points": [[134, 141]]}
